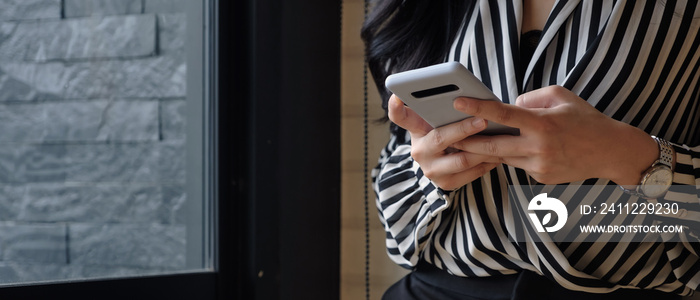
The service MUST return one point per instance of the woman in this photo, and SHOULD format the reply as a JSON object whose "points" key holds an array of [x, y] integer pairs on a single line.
{"points": [[600, 89]]}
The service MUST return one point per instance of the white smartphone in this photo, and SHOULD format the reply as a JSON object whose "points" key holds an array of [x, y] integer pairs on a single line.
{"points": [[430, 91]]}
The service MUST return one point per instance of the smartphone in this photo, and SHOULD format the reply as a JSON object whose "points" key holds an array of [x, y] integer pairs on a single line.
{"points": [[430, 91]]}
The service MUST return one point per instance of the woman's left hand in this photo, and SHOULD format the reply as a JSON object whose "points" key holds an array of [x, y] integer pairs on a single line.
{"points": [[562, 138]]}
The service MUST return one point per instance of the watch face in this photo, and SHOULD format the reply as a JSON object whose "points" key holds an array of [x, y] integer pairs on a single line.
{"points": [[657, 182]]}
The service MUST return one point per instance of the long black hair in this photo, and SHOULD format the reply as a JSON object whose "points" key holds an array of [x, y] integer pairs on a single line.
{"points": [[401, 35]]}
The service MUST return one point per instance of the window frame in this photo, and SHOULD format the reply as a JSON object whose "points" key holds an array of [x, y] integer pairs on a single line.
{"points": [[286, 200]]}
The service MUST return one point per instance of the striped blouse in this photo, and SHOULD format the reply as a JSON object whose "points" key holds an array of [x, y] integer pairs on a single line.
{"points": [[635, 61]]}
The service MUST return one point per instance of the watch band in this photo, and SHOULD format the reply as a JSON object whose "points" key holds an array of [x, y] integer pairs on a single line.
{"points": [[633, 192], [666, 152]]}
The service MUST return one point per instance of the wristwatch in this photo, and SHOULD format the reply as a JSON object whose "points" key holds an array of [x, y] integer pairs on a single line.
{"points": [[658, 178]]}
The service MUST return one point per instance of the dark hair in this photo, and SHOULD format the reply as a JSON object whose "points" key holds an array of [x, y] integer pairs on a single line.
{"points": [[404, 35]]}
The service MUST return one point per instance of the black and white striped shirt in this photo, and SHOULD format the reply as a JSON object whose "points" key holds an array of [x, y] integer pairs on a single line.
{"points": [[635, 61]]}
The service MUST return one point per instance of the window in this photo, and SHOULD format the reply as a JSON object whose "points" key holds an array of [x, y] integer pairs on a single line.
{"points": [[105, 139], [275, 221]]}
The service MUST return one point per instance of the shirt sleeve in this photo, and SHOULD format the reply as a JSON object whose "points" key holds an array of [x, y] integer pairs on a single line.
{"points": [[685, 191], [684, 251], [409, 203]]}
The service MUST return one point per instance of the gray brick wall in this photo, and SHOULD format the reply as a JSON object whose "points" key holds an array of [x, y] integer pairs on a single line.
{"points": [[118, 37], [84, 8], [30, 9], [92, 138]]}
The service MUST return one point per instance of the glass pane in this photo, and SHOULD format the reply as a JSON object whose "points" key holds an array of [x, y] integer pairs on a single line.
{"points": [[93, 139]]}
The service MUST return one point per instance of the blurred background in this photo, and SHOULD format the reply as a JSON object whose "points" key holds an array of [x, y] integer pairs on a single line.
{"points": [[383, 272]]}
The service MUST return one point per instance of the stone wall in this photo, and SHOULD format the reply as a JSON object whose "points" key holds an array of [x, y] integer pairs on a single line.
{"points": [[92, 112]]}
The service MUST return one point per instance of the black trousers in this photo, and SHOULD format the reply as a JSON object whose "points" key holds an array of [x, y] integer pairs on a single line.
{"points": [[428, 282]]}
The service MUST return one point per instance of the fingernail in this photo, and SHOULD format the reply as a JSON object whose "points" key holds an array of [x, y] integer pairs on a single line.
{"points": [[460, 103], [394, 104], [478, 123]]}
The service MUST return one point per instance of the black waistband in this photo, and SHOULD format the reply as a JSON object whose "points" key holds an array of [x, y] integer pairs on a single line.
{"points": [[490, 287], [523, 285]]}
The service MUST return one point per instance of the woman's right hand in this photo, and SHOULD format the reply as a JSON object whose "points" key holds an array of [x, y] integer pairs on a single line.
{"points": [[446, 167]]}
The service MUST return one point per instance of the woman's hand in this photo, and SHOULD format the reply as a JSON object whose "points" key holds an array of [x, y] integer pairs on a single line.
{"points": [[562, 138], [447, 168]]}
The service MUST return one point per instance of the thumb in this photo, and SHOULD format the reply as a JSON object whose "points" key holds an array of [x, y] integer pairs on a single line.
{"points": [[406, 118]]}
